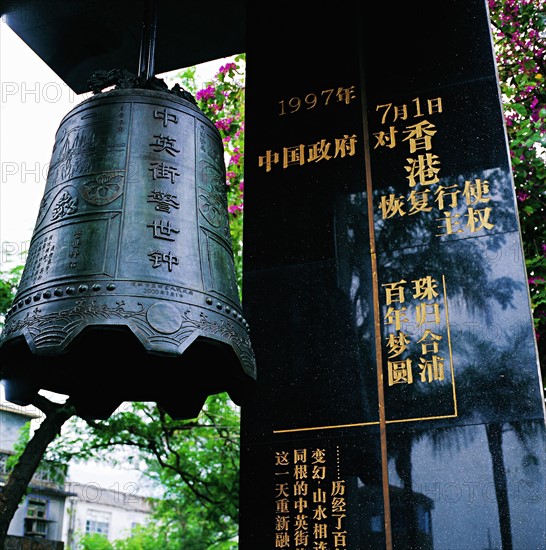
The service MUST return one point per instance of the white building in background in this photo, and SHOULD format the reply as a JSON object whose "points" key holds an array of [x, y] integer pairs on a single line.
{"points": [[40, 514], [109, 512], [55, 510]]}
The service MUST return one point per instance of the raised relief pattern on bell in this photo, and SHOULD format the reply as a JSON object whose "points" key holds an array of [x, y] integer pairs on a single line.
{"points": [[132, 232]]}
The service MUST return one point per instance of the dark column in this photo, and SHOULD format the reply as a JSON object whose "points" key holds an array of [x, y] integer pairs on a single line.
{"points": [[385, 288]]}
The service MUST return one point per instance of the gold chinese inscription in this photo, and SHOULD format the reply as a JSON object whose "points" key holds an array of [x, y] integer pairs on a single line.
{"points": [[461, 207], [321, 150], [343, 95], [310, 504], [417, 356], [300, 154]]}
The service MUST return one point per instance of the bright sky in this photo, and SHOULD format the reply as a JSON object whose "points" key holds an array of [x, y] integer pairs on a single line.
{"points": [[33, 102]]}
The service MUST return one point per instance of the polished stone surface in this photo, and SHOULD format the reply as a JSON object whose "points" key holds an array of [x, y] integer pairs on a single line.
{"points": [[433, 290]]}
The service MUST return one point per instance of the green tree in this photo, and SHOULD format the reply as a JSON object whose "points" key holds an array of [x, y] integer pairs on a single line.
{"points": [[146, 537], [9, 281], [95, 542], [194, 462]]}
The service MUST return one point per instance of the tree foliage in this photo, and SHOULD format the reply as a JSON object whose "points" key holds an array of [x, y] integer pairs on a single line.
{"points": [[195, 463], [9, 281]]}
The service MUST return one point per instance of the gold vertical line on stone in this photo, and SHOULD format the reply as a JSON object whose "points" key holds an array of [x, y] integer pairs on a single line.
{"points": [[452, 368], [375, 295]]}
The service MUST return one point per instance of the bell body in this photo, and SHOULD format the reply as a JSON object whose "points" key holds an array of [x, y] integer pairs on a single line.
{"points": [[130, 266]]}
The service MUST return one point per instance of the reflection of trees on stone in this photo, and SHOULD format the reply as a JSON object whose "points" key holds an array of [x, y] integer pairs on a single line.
{"points": [[408, 248], [400, 442], [398, 229], [464, 261], [472, 284], [354, 278], [355, 284], [503, 398]]}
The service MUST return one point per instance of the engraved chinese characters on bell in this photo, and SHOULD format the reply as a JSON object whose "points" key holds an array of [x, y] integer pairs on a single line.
{"points": [[131, 250]]}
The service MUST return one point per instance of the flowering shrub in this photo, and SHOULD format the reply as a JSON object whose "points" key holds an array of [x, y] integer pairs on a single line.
{"points": [[222, 100], [519, 34]]}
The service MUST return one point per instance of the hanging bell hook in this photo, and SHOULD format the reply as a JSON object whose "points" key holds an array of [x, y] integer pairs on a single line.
{"points": [[146, 65]]}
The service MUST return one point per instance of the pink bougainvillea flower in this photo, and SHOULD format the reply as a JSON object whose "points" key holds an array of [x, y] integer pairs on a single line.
{"points": [[227, 67], [205, 93], [235, 208], [223, 124]]}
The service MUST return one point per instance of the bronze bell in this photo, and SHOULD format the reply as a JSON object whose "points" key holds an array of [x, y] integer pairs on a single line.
{"points": [[129, 290]]}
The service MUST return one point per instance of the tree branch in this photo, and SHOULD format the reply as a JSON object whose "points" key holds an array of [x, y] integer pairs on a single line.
{"points": [[21, 475]]}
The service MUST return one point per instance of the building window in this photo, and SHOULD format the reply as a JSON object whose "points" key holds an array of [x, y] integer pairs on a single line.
{"points": [[376, 524], [97, 522], [3, 461], [424, 521], [36, 520]]}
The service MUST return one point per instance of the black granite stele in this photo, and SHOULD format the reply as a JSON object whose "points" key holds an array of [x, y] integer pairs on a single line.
{"points": [[381, 236]]}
